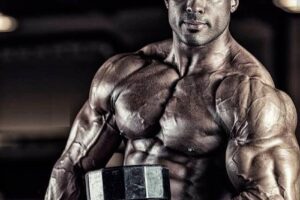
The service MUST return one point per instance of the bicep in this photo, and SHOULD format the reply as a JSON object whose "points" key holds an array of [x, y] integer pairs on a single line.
{"points": [[94, 135], [262, 157], [93, 139]]}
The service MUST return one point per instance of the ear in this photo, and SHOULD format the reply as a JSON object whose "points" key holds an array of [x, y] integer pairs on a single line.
{"points": [[167, 3], [234, 5]]}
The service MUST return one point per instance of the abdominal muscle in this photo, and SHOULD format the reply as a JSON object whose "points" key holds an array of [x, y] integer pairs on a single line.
{"points": [[191, 176]]}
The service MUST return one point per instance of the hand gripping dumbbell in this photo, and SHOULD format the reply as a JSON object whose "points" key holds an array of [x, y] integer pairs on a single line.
{"points": [[129, 183]]}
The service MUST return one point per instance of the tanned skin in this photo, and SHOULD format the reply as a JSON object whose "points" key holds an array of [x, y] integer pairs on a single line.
{"points": [[199, 104]]}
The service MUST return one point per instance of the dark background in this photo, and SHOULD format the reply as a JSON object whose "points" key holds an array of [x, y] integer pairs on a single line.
{"points": [[47, 64]]}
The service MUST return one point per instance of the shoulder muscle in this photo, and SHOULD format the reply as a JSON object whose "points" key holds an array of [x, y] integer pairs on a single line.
{"points": [[110, 74]]}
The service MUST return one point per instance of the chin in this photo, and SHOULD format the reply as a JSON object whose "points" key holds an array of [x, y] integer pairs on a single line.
{"points": [[193, 41]]}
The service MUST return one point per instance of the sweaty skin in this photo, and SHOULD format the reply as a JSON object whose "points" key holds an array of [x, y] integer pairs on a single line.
{"points": [[204, 108]]}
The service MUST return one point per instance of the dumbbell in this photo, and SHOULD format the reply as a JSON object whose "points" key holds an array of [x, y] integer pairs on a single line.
{"points": [[142, 182]]}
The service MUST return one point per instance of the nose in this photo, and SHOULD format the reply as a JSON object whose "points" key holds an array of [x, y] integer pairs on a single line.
{"points": [[196, 6]]}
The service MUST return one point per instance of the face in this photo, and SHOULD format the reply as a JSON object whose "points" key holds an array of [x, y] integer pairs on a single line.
{"points": [[198, 22]]}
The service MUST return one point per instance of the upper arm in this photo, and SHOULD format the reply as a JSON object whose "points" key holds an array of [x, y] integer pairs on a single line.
{"points": [[94, 135], [262, 157]]}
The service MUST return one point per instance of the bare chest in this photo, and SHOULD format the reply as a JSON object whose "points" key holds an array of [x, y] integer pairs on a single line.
{"points": [[157, 103]]}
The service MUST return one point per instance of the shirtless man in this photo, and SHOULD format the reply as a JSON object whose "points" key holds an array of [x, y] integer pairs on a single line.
{"points": [[200, 105]]}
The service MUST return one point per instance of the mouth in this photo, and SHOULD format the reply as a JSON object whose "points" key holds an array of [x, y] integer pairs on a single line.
{"points": [[194, 25]]}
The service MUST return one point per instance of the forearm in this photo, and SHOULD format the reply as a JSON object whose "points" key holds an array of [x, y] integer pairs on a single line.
{"points": [[65, 182], [272, 174], [256, 195]]}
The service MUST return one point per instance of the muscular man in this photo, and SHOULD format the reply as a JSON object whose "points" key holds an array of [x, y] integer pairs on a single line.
{"points": [[200, 105]]}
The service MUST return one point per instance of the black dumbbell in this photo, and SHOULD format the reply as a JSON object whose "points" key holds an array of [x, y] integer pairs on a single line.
{"points": [[129, 183]]}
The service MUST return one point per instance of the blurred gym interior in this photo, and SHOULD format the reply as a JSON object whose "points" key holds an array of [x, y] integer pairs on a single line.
{"points": [[51, 49]]}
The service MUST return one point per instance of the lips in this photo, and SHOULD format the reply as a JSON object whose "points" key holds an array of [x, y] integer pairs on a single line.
{"points": [[194, 25]]}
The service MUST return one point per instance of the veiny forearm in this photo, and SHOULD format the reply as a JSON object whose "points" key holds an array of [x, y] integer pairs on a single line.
{"points": [[64, 182], [268, 174], [92, 142], [255, 195]]}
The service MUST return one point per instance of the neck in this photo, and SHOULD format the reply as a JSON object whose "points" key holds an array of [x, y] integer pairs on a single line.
{"points": [[208, 57]]}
